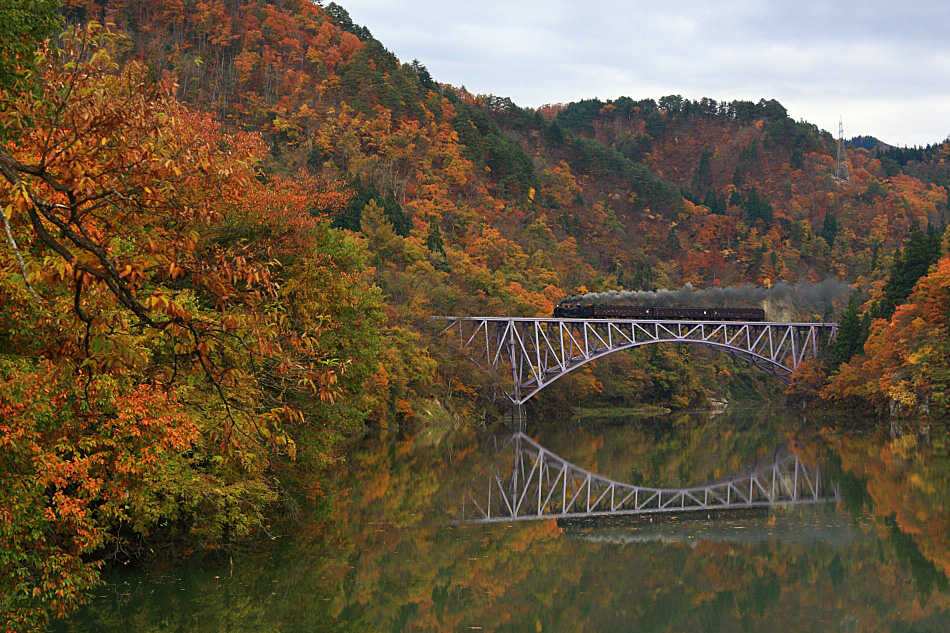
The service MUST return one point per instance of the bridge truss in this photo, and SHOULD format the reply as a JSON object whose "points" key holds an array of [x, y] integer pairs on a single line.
{"points": [[534, 352], [542, 485]]}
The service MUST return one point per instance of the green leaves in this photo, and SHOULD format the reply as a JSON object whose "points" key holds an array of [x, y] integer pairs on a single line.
{"points": [[24, 24]]}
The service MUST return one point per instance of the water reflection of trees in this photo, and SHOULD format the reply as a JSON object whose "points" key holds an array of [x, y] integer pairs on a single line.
{"points": [[904, 475], [386, 559]]}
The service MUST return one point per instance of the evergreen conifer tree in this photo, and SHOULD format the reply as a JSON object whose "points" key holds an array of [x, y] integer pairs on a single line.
{"points": [[829, 229], [851, 337]]}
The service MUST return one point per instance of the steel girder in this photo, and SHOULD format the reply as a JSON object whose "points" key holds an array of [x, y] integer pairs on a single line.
{"points": [[534, 352], [542, 485]]}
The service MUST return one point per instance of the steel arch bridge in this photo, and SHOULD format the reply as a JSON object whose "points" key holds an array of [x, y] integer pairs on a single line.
{"points": [[537, 484], [534, 352]]}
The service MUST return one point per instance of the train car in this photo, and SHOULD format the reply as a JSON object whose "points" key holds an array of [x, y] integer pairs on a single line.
{"points": [[566, 310], [595, 311], [690, 314], [622, 312], [739, 314]]}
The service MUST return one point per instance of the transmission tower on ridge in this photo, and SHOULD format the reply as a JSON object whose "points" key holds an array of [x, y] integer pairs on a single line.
{"points": [[841, 166]]}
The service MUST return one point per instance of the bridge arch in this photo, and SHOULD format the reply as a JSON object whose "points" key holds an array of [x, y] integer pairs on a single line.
{"points": [[537, 352], [766, 364]]}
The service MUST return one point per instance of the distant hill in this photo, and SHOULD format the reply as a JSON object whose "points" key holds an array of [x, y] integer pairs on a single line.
{"points": [[868, 142]]}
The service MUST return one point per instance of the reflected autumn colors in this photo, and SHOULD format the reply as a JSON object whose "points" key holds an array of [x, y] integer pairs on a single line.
{"points": [[383, 555]]}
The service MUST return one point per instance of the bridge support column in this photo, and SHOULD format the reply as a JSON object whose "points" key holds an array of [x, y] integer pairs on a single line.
{"points": [[515, 358], [515, 418]]}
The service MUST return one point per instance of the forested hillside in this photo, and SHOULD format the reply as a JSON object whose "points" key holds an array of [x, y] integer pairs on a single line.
{"points": [[482, 207], [650, 193], [227, 221]]}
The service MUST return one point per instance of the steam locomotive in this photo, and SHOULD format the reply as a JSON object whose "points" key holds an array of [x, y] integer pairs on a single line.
{"points": [[569, 310]]}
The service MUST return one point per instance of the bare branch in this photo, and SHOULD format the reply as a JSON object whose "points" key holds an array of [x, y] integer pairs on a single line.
{"points": [[19, 258]]}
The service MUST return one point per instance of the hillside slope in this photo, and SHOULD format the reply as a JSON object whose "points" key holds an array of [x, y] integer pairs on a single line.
{"points": [[625, 193], [472, 205]]}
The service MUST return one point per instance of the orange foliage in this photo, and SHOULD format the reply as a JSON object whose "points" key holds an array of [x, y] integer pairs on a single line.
{"points": [[905, 362]]}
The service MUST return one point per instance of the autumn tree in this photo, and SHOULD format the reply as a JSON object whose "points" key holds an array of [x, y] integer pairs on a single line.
{"points": [[173, 333], [905, 370]]}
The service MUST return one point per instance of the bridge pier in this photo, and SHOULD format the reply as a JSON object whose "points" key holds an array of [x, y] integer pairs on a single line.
{"points": [[515, 418]]}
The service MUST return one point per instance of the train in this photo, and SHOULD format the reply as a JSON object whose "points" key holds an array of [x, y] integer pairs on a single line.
{"points": [[570, 310]]}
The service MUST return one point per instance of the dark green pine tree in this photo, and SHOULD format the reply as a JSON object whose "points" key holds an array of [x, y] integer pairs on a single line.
{"points": [[702, 177], [715, 203], [434, 240], [363, 194], [920, 251], [673, 241], [797, 159], [757, 207], [865, 327], [343, 20], [829, 229], [851, 336], [735, 198]]}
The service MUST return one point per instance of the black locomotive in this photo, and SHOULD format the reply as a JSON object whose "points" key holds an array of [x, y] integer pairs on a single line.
{"points": [[567, 310]]}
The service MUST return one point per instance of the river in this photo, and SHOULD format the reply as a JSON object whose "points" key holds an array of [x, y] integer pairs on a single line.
{"points": [[383, 554]]}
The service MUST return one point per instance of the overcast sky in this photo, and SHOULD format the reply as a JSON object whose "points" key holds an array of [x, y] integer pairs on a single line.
{"points": [[884, 66]]}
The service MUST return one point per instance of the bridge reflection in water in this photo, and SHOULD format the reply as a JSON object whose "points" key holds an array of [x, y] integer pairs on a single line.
{"points": [[533, 483]]}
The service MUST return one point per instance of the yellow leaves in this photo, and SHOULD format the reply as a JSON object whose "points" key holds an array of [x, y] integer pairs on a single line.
{"points": [[902, 392], [293, 131], [22, 201], [174, 271], [166, 305]]}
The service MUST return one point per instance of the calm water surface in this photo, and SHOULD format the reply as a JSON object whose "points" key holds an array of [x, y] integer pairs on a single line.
{"points": [[385, 556]]}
